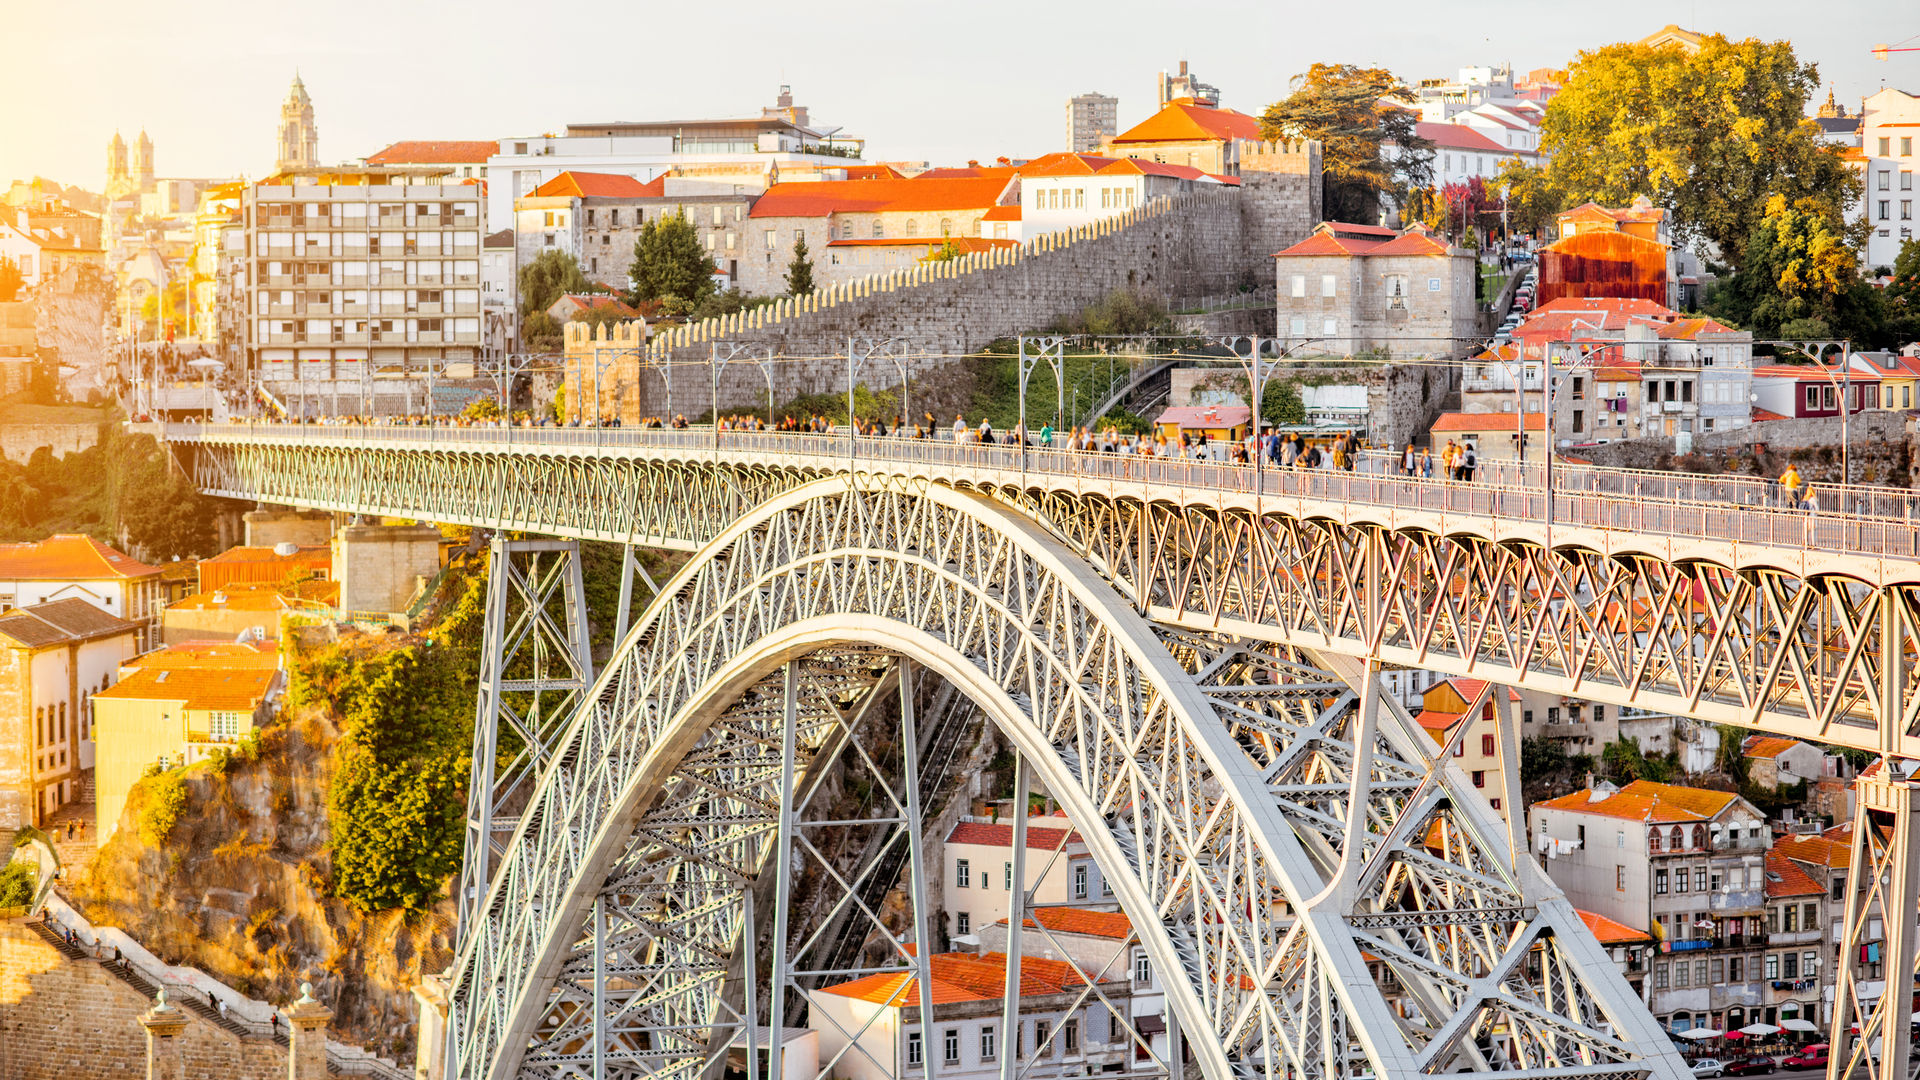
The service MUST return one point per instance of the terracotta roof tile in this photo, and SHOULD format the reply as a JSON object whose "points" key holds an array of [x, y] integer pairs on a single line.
{"points": [[68, 557], [920, 194], [1784, 878], [1644, 800], [57, 621], [1186, 120], [433, 152], [1001, 835], [1689, 329], [1459, 137], [1816, 850], [254, 655], [1465, 421], [961, 977], [579, 302], [1612, 933], [1767, 746], [592, 185], [236, 689], [1067, 920], [1205, 416]]}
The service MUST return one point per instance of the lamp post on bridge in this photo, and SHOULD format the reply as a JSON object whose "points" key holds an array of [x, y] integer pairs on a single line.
{"points": [[1817, 351], [859, 351], [761, 356]]}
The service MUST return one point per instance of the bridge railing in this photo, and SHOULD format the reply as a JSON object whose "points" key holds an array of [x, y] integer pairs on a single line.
{"points": [[1857, 519]]}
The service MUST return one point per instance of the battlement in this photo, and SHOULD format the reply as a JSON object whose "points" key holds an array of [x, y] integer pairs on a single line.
{"points": [[630, 334], [1297, 157]]}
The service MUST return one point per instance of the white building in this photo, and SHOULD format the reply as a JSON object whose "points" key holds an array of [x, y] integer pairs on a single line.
{"points": [[979, 871], [1059, 192], [1461, 152], [68, 567], [873, 1029], [1103, 944], [53, 658], [1889, 128]]}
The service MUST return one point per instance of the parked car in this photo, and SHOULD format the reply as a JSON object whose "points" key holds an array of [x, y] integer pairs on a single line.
{"points": [[1809, 1057], [1750, 1066], [1706, 1067]]}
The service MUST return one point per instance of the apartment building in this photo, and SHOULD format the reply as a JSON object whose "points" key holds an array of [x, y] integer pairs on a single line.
{"points": [[1798, 909], [1688, 865], [361, 275], [1889, 129], [872, 1026], [71, 566], [1102, 944], [597, 218], [1091, 117]]}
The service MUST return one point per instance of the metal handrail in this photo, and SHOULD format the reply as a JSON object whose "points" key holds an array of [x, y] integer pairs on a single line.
{"points": [[1876, 522]]}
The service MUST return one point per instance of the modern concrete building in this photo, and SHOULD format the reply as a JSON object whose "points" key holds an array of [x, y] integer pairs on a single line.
{"points": [[53, 657], [1090, 118], [1889, 129], [358, 276]]}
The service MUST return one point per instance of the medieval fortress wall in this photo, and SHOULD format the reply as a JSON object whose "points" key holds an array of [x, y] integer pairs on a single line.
{"points": [[1195, 244]]}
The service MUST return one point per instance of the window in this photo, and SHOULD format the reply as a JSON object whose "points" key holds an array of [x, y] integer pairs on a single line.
{"points": [[1736, 969], [1653, 840], [1486, 745], [1719, 973], [1660, 976], [1906, 146], [1790, 921], [1479, 779], [1041, 1029], [1620, 879], [1326, 284], [1600, 711], [1299, 285], [1680, 880], [1620, 840], [913, 227], [962, 874], [1773, 966], [1142, 967], [986, 1043], [1807, 962], [1553, 714], [1906, 180], [1007, 875], [950, 1045], [1660, 882], [1773, 920], [1906, 209], [1680, 972], [913, 1048], [1809, 918], [1080, 883], [1495, 803], [1070, 1035], [1329, 326], [1700, 878], [1884, 205], [1526, 716], [879, 232], [1297, 326], [1700, 973], [962, 923], [1839, 889], [1079, 198], [1789, 966], [224, 725]]}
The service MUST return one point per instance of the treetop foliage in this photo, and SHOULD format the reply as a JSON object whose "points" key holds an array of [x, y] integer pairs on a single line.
{"points": [[670, 264], [1345, 107], [547, 278]]}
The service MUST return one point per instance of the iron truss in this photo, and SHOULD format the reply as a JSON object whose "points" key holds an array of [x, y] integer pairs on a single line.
{"points": [[1267, 827], [1788, 642]]}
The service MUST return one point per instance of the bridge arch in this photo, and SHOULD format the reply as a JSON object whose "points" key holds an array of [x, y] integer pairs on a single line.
{"points": [[1170, 806]]}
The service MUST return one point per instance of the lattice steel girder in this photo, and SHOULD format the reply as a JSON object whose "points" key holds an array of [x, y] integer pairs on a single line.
{"points": [[1167, 785], [1883, 904], [1794, 641]]}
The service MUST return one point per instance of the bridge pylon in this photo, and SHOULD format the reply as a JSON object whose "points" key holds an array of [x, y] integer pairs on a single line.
{"points": [[1875, 984]]}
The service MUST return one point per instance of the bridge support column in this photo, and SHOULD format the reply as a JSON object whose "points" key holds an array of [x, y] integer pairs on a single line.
{"points": [[535, 665], [1883, 886]]}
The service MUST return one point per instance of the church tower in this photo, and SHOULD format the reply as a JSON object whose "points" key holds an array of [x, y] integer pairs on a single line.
{"points": [[117, 181], [299, 139], [143, 163]]}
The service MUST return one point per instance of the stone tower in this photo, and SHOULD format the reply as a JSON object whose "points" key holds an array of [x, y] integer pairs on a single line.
{"points": [[143, 163], [299, 138], [117, 180]]}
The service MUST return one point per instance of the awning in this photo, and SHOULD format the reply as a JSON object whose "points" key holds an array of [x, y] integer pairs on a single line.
{"points": [[1760, 1029], [1150, 1025], [1794, 1023], [1696, 1034]]}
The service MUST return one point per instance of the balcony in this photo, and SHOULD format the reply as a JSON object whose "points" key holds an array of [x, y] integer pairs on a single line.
{"points": [[1794, 937], [1727, 995], [1734, 901]]}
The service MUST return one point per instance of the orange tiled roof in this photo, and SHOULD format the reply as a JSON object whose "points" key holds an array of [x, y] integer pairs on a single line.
{"points": [[253, 597], [874, 172], [234, 689], [1465, 421], [1816, 850], [578, 302], [1644, 800], [1610, 932], [1763, 415], [1002, 213], [593, 185], [962, 977], [435, 152], [254, 655], [920, 194], [965, 245], [1068, 920], [68, 557], [60, 621], [1186, 120], [1784, 878], [1689, 329], [1459, 137], [1001, 835], [1346, 238], [311, 553], [1767, 746]]}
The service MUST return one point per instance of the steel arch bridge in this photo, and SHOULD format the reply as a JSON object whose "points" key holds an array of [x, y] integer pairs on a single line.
{"points": [[1154, 641]]}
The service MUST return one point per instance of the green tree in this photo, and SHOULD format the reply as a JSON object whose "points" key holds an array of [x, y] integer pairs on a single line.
{"points": [[547, 278], [800, 270], [17, 882], [1903, 293], [1708, 135], [1345, 106], [540, 333], [1541, 758], [669, 263], [1800, 279], [1532, 200], [1280, 403]]}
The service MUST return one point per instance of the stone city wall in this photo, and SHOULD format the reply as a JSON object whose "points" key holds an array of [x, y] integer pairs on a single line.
{"points": [[1209, 242], [19, 441]]}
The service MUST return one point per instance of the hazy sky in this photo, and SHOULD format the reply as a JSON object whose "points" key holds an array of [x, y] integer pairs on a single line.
{"points": [[941, 82]]}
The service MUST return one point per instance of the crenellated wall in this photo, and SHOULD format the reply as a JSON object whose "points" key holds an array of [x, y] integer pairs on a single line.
{"points": [[1206, 242]]}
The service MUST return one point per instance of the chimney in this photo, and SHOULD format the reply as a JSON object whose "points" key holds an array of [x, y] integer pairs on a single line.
{"points": [[307, 1036], [166, 1058]]}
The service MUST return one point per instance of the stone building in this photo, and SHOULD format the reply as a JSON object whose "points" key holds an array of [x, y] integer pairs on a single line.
{"points": [[1189, 131], [1798, 911], [1686, 863], [53, 657], [299, 135], [1360, 287], [862, 228], [597, 218]]}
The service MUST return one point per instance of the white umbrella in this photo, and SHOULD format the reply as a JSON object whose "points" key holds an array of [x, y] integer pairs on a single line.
{"points": [[1696, 1034], [205, 362], [1758, 1029], [1794, 1023]]}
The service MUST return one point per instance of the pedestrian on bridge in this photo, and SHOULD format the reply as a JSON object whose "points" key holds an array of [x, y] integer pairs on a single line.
{"points": [[1469, 460], [1408, 462], [1426, 463], [1790, 485]]}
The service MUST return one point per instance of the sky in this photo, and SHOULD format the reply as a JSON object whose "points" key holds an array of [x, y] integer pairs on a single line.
{"points": [[920, 81]]}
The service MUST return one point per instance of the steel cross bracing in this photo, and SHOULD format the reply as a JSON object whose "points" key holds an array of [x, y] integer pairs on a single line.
{"points": [[1803, 642], [1873, 998], [1263, 827]]}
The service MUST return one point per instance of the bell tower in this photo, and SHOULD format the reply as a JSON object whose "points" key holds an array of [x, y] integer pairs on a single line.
{"points": [[299, 138]]}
